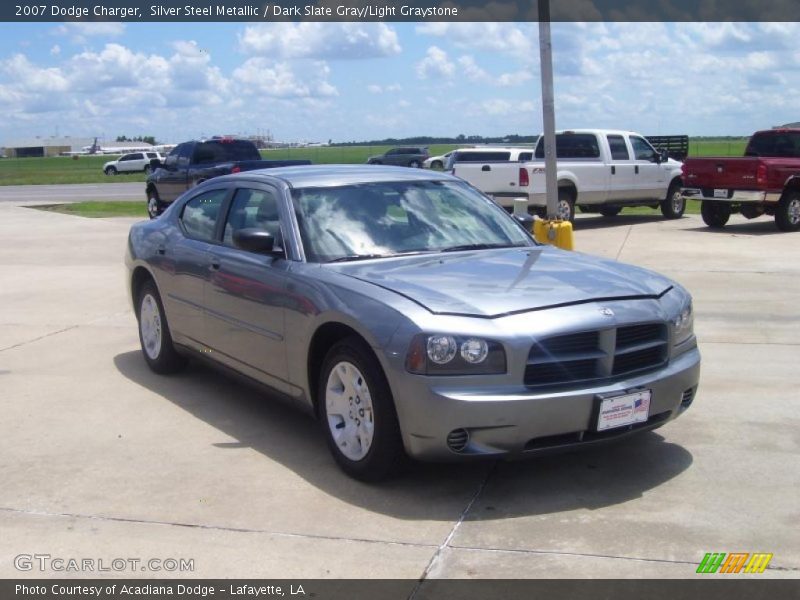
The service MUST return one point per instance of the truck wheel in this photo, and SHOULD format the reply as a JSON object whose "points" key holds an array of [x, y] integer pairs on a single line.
{"points": [[715, 214], [357, 412], [674, 205], [610, 211], [154, 205], [565, 209], [787, 213]]}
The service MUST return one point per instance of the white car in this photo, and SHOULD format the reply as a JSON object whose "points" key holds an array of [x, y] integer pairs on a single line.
{"points": [[131, 163], [437, 162]]}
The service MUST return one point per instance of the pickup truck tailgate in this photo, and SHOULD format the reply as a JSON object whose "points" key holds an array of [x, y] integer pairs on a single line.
{"points": [[724, 173]]}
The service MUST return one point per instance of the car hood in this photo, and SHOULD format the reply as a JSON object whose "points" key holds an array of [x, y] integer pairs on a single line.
{"points": [[494, 283]]}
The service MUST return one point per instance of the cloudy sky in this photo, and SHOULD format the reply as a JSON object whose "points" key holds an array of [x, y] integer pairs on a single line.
{"points": [[359, 81]]}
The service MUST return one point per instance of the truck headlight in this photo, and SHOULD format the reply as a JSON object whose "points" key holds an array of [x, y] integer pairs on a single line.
{"points": [[683, 324], [455, 355]]}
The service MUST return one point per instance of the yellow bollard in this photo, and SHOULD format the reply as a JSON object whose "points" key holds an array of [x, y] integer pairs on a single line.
{"points": [[556, 233]]}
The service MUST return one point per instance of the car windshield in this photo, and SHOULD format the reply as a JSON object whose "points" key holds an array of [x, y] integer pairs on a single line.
{"points": [[375, 220]]}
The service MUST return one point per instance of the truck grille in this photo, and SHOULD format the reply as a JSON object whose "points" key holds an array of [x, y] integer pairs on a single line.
{"points": [[593, 355]]}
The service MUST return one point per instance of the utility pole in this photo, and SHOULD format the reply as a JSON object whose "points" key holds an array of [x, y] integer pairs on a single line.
{"points": [[548, 109]]}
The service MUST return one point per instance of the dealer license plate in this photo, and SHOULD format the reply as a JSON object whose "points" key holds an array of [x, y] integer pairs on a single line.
{"points": [[721, 194], [621, 411]]}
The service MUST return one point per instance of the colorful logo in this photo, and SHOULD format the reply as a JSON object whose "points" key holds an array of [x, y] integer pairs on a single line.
{"points": [[734, 562]]}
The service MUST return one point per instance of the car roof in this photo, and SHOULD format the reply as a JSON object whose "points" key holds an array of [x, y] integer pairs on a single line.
{"points": [[336, 175]]}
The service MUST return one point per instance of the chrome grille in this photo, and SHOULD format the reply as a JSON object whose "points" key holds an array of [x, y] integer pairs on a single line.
{"points": [[601, 354]]}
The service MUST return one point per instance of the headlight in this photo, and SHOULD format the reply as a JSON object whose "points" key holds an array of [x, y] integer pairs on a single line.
{"points": [[455, 355], [684, 324]]}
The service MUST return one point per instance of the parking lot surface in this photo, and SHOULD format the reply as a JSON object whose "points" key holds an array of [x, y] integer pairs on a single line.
{"points": [[103, 459]]}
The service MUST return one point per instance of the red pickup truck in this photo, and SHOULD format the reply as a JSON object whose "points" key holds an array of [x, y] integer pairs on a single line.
{"points": [[765, 181]]}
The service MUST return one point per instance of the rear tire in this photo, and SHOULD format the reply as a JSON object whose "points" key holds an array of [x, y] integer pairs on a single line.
{"points": [[357, 412], [565, 210], [154, 335], [154, 205], [674, 205], [787, 213], [610, 211], [715, 214], [414, 164]]}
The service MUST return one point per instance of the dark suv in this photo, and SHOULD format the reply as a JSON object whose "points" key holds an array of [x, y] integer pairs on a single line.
{"points": [[406, 156]]}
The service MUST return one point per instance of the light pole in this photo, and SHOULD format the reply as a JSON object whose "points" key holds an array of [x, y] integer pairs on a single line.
{"points": [[548, 109]]}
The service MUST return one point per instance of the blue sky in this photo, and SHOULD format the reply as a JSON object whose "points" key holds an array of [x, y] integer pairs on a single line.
{"points": [[359, 81]]}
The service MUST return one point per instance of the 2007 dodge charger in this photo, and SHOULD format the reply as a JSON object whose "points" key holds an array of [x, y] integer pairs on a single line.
{"points": [[410, 314]]}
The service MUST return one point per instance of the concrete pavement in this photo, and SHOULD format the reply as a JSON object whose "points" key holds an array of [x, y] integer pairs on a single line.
{"points": [[103, 459]]}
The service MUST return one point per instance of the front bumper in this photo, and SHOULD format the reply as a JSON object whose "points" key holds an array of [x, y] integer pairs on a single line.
{"points": [[733, 195], [522, 421]]}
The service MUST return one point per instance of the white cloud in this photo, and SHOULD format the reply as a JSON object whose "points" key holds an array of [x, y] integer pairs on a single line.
{"points": [[374, 88], [520, 41], [320, 40], [473, 72], [79, 31], [259, 76], [435, 64], [55, 50]]}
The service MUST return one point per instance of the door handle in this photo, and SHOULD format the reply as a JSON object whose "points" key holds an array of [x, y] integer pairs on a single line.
{"points": [[486, 168], [214, 264], [162, 250], [613, 170], [636, 170]]}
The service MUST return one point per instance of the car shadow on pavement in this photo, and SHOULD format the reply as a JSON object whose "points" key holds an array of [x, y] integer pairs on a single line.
{"points": [[599, 222], [592, 478]]}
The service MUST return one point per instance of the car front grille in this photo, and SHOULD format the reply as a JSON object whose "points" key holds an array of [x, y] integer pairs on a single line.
{"points": [[592, 355]]}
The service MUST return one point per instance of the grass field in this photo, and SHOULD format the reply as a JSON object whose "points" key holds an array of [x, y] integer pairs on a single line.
{"points": [[88, 169], [98, 209]]}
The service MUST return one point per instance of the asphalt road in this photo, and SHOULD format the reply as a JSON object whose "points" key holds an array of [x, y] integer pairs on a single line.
{"points": [[101, 458], [55, 194]]}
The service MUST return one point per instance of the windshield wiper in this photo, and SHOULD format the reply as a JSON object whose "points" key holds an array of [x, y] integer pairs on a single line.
{"points": [[352, 257], [479, 247]]}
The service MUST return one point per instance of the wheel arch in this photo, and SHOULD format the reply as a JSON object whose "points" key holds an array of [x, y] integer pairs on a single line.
{"points": [[139, 277], [564, 183], [323, 339]]}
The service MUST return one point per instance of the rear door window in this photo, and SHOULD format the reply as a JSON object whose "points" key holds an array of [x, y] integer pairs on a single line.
{"points": [[619, 149]]}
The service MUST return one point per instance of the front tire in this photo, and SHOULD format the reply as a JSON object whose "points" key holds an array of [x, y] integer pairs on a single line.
{"points": [[674, 205], [357, 412], [437, 164], [787, 213], [111, 171], [715, 214], [154, 205], [154, 335]]}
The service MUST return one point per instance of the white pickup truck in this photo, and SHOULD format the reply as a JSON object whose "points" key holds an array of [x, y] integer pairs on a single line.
{"points": [[599, 170]]}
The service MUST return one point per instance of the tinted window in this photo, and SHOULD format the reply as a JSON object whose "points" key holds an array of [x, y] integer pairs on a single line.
{"points": [[152, 155], [200, 215], [619, 149], [131, 157], [394, 218], [783, 144], [642, 150], [573, 145], [525, 156], [184, 154], [252, 209], [217, 151], [172, 157]]}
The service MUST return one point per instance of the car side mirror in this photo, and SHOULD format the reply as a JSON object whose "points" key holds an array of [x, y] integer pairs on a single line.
{"points": [[525, 220], [155, 163], [256, 240], [662, 156]]}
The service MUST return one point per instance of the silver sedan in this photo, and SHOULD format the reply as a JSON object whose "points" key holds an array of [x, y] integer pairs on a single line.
{"points": [[410, 314]]}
